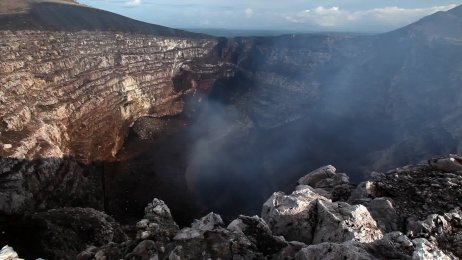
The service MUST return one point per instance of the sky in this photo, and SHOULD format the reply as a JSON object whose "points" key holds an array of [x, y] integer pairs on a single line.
{"points": [[283, 15]]}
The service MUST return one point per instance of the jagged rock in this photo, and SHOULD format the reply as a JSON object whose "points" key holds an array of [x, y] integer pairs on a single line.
{"points": [[312, 178], [145, 250], [207, 238], [259, 234], [157, 223], [339, 222], [383, 212], [394, 245], [364, 192], [328, 183], [310, 218], [199, 227], [294, 215], [445, 231], [215, 244], [8, 253], [425, 250]]}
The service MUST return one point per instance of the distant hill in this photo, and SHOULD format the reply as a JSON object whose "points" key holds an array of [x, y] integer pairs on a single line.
{"points": [[68, 15]]}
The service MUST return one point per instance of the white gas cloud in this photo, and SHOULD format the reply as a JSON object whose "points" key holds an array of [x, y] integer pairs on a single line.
{"points": [[132, 3], [337, 17], [248, 12]]}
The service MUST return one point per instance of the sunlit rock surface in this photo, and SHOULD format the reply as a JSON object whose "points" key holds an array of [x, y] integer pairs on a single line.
{"points": [[69, 99], [76, 94]]}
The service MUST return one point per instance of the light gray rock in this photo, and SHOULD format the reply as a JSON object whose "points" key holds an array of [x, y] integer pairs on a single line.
{"points": [[8, 253], [199, 227], [329, 183], [339, 222], [142, 223], [445, 231], [364, 192], [425, 250], [157, 223], [294, 215], [384, 213], [208, 222], [187, 234], [317, 175], [257, 232]]}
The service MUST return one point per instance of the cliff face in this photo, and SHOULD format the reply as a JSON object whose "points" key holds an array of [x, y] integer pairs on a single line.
{"points": [[77, 94]]}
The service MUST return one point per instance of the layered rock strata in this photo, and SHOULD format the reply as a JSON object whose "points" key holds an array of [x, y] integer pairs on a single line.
{"points": [[79, 92], [70, 98]]}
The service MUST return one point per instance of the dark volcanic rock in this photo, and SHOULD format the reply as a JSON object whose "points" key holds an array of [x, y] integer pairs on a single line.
{"points": [[416, 190], [158, 223], [28, 186], [338, 230], [61, 233], [444, 230]]}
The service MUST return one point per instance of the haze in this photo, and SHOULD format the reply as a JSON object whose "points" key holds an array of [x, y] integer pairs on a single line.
{"points": [[294, 15]]}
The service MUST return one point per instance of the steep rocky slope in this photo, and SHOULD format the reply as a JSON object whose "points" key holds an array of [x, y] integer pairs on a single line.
{"points": [[69, 97]]}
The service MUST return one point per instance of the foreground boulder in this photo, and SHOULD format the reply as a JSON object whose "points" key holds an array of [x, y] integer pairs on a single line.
{"points": [[158, 223], [426, 250], [308, 217], [329, 183], [384, 218], [383, 211], [293, 216], [339, 222]]}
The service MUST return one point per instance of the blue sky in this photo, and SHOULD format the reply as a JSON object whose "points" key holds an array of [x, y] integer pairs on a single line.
{"points": [[299, 15]]}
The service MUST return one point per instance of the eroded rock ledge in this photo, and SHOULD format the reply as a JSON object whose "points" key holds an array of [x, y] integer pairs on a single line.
{"points": [[68, 100], [395, 215], [81, 91]]}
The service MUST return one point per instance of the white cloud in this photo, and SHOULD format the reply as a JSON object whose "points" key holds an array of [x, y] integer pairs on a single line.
{"points": [[248, 12], [337, 17], [132, 3]]}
